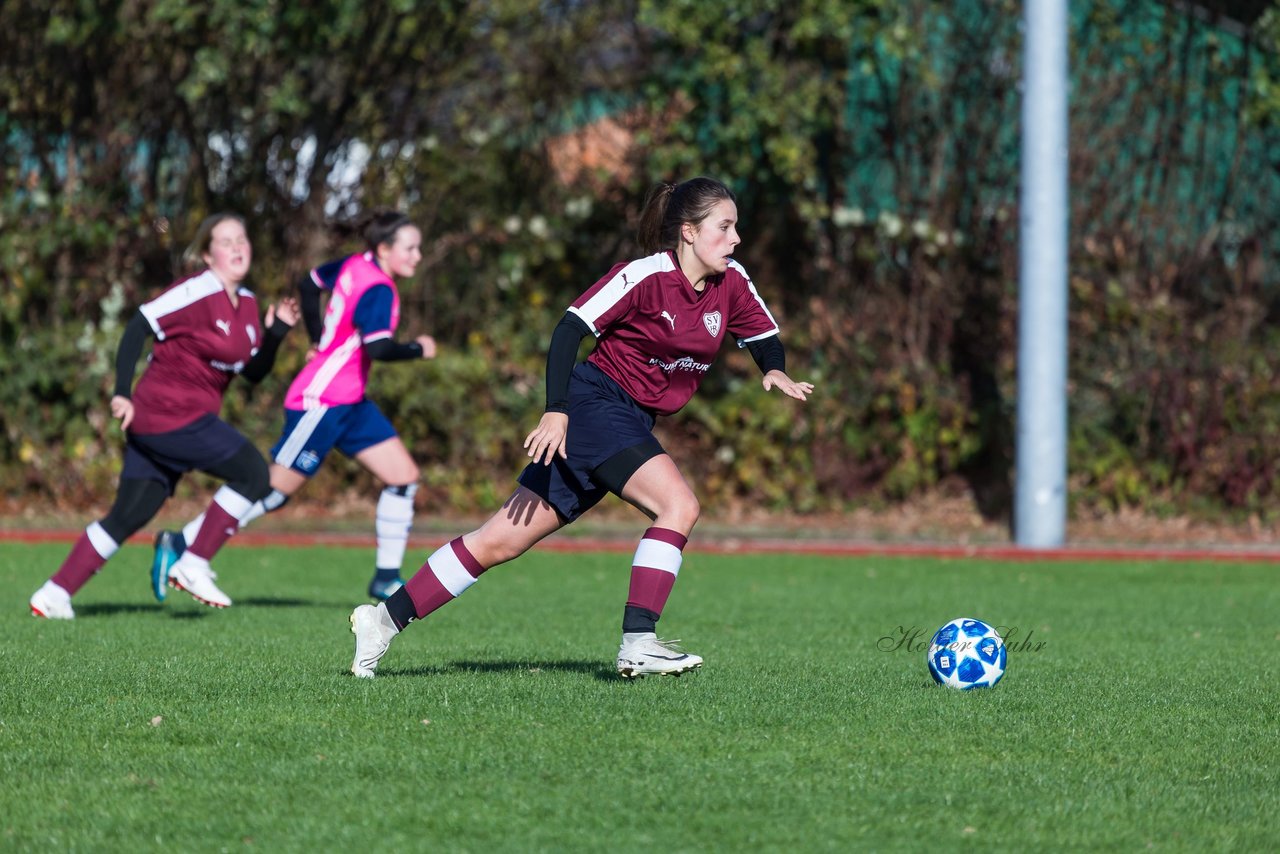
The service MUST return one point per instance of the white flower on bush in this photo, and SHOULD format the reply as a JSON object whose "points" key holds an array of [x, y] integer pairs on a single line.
{"points": [[579, 208], [844, 217], [890, 224]]}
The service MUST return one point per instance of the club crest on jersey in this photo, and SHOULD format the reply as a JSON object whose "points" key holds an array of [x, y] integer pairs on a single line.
{"points": [[711, 320], [224, 325]]}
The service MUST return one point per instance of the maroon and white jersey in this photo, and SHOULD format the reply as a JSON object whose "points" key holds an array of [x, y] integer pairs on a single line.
{"points": [[657, 336], [202, 341]]}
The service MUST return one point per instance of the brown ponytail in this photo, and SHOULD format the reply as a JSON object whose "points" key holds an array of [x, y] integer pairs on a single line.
{"points": [[670, 206], [381, 227]]}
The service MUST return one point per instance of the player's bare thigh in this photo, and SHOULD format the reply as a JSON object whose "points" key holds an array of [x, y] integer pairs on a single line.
{"points": [[389, 462], [524, 519], [660, 491]]}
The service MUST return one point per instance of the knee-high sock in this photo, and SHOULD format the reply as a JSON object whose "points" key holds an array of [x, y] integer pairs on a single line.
{"points": [[443, 578], [273, 502], [393, 520], [94, 548], [654, 568], [221, 520]]}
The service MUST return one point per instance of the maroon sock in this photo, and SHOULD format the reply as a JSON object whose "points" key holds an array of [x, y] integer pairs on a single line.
{"points": [[217, 528], [85, 559], [654, 569], [443, 578]]}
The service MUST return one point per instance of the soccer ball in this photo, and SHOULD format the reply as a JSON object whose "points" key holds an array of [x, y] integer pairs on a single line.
{"points": [[967, 654]]}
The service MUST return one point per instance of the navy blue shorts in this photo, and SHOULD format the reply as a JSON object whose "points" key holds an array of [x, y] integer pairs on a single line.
{"points": [[309, 434], [166, 457], [610, 436]]}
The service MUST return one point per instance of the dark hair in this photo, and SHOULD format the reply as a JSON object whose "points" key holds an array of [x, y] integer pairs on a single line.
{"points": [[381, 227], [193, 255], [670, 206]]}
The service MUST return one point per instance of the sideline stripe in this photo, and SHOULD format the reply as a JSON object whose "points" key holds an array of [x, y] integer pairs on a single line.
{"points": [[744, 545]]}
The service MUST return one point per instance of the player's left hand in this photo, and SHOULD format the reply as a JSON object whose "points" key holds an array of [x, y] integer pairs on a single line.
{"points": [[789, 387], [548, 439], [286, 311]]}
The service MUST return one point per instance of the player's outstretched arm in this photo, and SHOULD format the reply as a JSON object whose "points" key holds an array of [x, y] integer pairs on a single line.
{"points": [[280, 319], [777, 379], [287, 312]]}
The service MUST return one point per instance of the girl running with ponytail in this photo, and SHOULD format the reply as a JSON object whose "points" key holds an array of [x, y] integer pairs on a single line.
{"points": [[658, 322]]}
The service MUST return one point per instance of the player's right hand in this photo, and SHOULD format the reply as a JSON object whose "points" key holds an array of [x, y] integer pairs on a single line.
{"points": [[122, 408], [548, 438], [428, 345]]}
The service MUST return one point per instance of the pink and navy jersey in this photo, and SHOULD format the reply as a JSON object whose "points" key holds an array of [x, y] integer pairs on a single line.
{"points": [[202, 341], [657, 336], [364, 306]]}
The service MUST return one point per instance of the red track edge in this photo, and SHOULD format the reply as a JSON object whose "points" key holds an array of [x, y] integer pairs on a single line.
{"points": [[747, 545]]}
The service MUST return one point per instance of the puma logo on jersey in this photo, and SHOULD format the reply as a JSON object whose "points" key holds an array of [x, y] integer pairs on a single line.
{"points": [[670, 318], [224, 325]]}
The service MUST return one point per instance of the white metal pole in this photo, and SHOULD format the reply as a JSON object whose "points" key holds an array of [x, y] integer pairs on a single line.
{"points": [[1041, 492]]}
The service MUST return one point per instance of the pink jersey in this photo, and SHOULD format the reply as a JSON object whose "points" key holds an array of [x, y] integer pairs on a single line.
{"points": [[340, 370], [658, 336], [202, 341]]}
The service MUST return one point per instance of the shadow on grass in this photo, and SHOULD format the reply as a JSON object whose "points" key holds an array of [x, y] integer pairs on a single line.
{"points": [[595, 669], [590, 668], [111, 609], [282, 602]]}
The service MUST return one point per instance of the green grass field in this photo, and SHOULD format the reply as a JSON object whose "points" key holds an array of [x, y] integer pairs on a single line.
{"points": [[1146, 719]]}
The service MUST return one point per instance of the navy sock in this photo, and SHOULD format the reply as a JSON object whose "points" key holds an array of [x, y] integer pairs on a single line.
{"points": [[400, 608], [386, 574], [637, 619]]}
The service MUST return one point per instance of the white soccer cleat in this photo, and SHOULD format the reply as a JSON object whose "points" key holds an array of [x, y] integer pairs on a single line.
{"points": [[195, 577], [644, 654], [52, 603], [373, 631]]}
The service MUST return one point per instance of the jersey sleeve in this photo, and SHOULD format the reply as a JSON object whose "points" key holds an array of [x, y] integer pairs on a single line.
{"points": [[326, 275], [178, 311], [607, 301], [372, 315], [749, 317]]}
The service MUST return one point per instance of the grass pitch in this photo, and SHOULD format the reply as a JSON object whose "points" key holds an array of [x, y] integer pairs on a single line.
{"points": [[1139, 710]]}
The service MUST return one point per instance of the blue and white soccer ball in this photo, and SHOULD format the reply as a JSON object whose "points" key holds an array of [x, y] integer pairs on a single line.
{"points": [[967, 654]]}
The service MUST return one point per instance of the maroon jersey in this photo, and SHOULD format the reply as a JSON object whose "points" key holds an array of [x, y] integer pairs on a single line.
{"points": [[657, 336], [202, 341]]}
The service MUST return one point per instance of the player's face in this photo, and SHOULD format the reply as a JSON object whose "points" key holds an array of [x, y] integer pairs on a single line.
{"points": [[400, 257], [229, 254], [714, 239]]}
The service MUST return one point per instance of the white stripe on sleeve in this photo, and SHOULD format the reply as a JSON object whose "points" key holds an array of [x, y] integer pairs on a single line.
{"points": [[179, 297]]}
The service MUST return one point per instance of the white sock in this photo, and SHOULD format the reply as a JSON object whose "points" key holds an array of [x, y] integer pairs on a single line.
{"points": [[192, 529], [101, 541], [394, 517], [274, 501]]}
